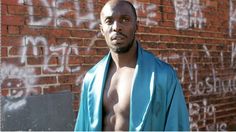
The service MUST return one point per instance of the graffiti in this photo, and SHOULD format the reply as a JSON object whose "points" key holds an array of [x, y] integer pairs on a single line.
{"points": [[93, 40], [19, 81], [62, 52], [150, 10], [35, 42], [232, 17], [42, 21], [64, 58], [57, 16], [21, 1], [185, 63], [233, 54], [189, 14], [222, 59], [90, 17], [203, 115], [211, 83], [208, 113], [79, 79]]}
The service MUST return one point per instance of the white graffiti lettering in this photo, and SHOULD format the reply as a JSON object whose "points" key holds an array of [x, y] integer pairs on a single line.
{"points": [[42, 21], [188, 14], [211, 83], [150, 11], [232, 17], [90, 17], [209, 112], [59, 13], [233, 54], [36, 42], [56, 15], [62, 52]]}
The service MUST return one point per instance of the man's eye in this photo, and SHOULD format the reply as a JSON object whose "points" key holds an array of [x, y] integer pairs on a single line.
{"points": [[125, 19], [108, 21]]}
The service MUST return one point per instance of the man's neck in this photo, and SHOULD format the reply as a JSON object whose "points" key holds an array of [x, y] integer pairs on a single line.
{"points": [[127, 59]]}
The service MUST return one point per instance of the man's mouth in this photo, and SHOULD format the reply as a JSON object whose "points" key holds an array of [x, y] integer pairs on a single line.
{"points": [[118, 37]]}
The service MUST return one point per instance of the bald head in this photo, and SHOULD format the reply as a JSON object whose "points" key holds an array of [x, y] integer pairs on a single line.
{"points": [[115, 3], [119, 25]]}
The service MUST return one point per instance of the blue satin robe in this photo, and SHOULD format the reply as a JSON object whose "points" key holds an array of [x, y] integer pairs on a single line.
{"points": [[156, 103]]}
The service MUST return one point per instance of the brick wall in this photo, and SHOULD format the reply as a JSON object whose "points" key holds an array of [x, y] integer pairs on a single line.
{"points": [[48, 45]]}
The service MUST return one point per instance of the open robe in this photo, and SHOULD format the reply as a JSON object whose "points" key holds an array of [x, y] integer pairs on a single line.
{"points": [[156, 102]]}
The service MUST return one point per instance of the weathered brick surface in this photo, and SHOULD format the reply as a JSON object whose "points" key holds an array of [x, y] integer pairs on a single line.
{"points": [[47, 47]]}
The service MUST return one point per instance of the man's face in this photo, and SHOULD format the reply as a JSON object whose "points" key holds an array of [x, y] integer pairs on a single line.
{"points": [[118, 26]]}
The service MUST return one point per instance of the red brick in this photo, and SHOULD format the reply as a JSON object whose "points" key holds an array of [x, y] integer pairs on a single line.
{"points": [[4, 52], [4, 92], [3, 9], [46, 80], [28, 21], [76, 89], [26, 30], [65, 79], [76, 60], [168, 38], [46, 32], [9, 2], [169, 9], [87, 51], [76, 105], [149, 37], [211, 3], [170, 16], [3, 29], [82, 33], [13, 20], [163, 40], [18, 10], [57, 89], [35, 91], [29, 50], [66, 4], [12, 60], [53, 60], [89, 60], [13, 30], [51, 40], [60, 41], [38, 60]]}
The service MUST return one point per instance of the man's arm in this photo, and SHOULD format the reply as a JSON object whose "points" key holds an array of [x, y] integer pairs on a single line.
{"points": [[177, 113], [82, 118]]}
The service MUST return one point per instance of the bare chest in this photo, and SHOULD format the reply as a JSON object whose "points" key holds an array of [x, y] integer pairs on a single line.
{"points": [[116, 100]]}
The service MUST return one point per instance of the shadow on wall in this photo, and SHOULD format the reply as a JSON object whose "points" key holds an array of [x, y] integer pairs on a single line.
{"points": [[41, 112]]}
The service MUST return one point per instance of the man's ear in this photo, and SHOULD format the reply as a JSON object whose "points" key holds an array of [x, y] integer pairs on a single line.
{"points": [[101, 29]]}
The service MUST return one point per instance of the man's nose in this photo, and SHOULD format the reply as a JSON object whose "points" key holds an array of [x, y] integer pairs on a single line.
{"points": [[116, 26]]}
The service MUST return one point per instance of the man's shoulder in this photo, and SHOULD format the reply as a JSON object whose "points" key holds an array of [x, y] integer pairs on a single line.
{"points": [[160, 64], [95, 69]]}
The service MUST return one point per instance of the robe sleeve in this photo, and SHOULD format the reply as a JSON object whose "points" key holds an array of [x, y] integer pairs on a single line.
{"points": [[177, 117], [82, 118]]}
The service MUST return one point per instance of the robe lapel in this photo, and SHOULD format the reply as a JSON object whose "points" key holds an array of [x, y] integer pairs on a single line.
{"points": [[95, 94], [141, 95], [142, 90]]}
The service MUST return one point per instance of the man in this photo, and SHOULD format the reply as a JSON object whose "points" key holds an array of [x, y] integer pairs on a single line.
{"points": [[129, 89]]}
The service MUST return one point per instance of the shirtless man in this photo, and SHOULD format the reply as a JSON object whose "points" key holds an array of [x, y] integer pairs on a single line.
{"points": [[118, 26], [129, 89]]}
